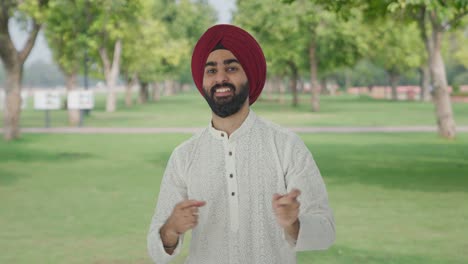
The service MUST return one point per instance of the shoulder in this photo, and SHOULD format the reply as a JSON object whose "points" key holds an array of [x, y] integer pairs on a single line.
{"points": [[278, 133], [188, 146]]}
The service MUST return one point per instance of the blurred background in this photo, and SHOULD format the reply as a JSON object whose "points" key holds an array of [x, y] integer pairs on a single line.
{"points": [[95, 95]]}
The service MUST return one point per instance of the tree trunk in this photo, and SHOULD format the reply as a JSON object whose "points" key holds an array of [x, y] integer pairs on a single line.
{"points": [[393, 79], [168, 87], [13, 61], [282, 90], [269, 89], [314, 84], [73, 114], [441, 98], [111, 71], [323, 86], [144, 93], [425, 83], [276, 85], [129, 90], [293, 83], [347, 79], [156, 92], [443, 105], [12, 109], [177, 87]]}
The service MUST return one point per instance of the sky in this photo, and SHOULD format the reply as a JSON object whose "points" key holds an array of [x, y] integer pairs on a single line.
{"points": [[41, 51]]}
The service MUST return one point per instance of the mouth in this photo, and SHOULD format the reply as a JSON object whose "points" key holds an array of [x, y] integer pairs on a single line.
{"points": [[223, 92]]}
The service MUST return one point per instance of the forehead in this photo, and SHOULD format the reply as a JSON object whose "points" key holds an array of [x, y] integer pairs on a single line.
{"points": [[220, 55]]}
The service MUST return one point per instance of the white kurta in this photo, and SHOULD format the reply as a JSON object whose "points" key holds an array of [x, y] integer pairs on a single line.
{"points": [[237, 177]]}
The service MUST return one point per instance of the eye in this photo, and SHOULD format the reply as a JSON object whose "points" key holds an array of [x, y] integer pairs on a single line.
{"points": [[211, 71], [231, 69]]}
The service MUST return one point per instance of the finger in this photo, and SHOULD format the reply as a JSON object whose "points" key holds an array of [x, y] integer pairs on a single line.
{"points": [[287, 200], [277, 196], [294, 193], [190, 203]]}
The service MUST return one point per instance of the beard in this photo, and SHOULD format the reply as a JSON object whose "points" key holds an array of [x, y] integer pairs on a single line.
{"points": [[224, 107]]}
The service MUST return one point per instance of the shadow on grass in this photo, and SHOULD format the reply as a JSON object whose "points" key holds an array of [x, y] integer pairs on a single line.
{"points": [[345, 255], [7, 177], [418, 167], [33, 155], [19, 154]]}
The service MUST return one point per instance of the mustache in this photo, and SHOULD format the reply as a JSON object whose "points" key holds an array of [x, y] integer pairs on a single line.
{"points": [[220, 85]]}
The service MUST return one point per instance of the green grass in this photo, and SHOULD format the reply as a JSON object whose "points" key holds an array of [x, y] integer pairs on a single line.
{"points": [[190, 110], [397, 198]]}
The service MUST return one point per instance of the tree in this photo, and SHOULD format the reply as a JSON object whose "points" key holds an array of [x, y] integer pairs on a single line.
{"points": [[441, 16], [108, 34], [301, 37], [66, 32], [395, 48], [31, 13], [434, 18], [186, 20]]}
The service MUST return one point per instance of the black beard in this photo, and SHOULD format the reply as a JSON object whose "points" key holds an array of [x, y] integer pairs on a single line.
{"points": [[227, 107]]}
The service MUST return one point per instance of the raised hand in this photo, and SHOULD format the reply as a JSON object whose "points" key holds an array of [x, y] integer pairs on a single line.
{"points": [[184, 217], [286, 208]]}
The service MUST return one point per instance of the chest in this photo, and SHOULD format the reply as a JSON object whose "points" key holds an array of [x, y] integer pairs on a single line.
{"points": [[222, 170]]}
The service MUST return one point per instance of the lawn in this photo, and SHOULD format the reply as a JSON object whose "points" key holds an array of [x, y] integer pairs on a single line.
{"points": [[397, 198], [190, 110]]}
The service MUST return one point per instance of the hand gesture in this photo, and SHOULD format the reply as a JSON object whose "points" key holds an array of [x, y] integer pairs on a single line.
{"points": [[184, 217], [286, 208]]}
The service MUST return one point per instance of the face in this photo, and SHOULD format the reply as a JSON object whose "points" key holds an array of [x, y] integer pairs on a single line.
{"points": [[225, 83]]}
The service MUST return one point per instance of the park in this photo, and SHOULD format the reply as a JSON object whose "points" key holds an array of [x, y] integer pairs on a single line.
{"points": [[79, 184]]}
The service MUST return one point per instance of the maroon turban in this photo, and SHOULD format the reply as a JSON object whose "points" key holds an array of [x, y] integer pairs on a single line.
{"points": [[242, 45]]}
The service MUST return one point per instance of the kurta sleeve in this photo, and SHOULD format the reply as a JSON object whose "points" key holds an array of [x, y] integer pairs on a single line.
{"points": [[172, 191], [317, 225]]}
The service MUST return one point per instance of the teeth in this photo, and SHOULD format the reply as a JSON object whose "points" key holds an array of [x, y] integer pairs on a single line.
{"points": [[222, 90]]}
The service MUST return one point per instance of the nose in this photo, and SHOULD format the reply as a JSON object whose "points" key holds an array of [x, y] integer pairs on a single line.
{"points": [[221, 77]]}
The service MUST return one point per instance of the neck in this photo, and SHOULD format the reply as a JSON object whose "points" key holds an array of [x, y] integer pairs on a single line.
{"points": [[231, 123]]}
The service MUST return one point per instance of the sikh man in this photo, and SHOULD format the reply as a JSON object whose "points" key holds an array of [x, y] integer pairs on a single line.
{"points": [[249, 190]]}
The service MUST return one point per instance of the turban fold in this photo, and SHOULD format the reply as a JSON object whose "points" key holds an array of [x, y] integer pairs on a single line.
{"points": [[246, 49]]}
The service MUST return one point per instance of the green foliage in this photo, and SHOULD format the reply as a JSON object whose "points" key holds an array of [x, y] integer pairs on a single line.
{"points": [[159, 46], [445, 14], [36, 10], [366, 73], [286, 31], [459, 40], [397, 47], [460, 79], [275, 27], [67, 32]]}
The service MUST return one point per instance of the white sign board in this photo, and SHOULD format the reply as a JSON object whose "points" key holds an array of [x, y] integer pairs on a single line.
{"points": [[24, 100], [80, 100], [47, 100]]}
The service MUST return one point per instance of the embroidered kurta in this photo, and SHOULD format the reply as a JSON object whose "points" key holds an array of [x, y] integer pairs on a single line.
{"points": [[237, 177]]}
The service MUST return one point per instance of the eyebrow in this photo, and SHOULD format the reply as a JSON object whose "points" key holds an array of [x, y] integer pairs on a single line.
{"points": [[226, 62]]}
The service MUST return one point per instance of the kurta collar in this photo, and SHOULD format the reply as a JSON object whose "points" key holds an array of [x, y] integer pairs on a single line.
{"points": [[245, 127]]}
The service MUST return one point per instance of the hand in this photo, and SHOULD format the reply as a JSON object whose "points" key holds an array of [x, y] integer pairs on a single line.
{"points": [[286, 208], [184, 217]]}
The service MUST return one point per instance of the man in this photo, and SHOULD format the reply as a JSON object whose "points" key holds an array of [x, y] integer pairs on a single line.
{"points": [[249, 191]]}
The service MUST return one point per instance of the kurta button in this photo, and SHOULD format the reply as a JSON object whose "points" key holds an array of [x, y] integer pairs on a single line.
{"points": [[231, 175], [222, 134], [233, 193], [230, 153]]}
